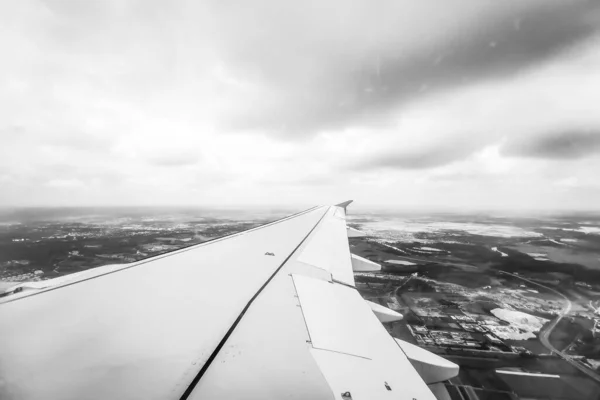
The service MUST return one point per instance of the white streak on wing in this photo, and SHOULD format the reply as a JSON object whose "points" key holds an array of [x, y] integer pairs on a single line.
{"points": [[431, 367], [384, 314], [360, 264], [354, 233]]}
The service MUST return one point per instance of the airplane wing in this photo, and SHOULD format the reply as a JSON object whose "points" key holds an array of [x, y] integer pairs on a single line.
{"points": [[268, 313]]}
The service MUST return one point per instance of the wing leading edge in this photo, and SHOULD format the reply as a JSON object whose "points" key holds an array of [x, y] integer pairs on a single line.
{"points": [[266, 313]]}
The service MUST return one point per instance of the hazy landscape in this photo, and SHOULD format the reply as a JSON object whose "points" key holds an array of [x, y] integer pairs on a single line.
{"points": [[497, 295], [47, 243]]}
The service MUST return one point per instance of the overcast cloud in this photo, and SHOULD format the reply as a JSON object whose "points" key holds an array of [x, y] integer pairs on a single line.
{"points": [[460, 104]]}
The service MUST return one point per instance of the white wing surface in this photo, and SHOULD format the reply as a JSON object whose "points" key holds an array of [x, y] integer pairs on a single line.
{"points": [[268, 313]]}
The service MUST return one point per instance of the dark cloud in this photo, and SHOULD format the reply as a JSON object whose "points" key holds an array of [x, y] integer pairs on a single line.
{"points": [[321, 85], [430, 157], [561, 145], [302, 67], [497, 50]]}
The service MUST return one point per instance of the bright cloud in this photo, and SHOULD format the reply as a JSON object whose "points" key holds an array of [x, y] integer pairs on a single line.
{"points": [[465, 104]]}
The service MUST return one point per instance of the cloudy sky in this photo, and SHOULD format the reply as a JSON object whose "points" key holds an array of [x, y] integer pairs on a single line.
{"points": [[454, 104]]}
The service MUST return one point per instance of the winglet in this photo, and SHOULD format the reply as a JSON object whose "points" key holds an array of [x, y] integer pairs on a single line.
{"points": [[344, 204]]}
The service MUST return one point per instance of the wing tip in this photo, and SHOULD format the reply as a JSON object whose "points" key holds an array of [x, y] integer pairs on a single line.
{"points": [[344, 204]]}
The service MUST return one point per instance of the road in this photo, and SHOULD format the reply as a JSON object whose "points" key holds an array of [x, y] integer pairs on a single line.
{"points": [[547, 330], [441, 261], [403, 283]]}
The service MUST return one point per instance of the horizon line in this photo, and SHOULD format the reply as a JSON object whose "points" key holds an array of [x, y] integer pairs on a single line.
{"points": [[356, 207]]}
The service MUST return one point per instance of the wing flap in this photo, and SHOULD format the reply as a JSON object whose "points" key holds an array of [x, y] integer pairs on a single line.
{"points": [[331, 311], [355, 377], [353, 350]]}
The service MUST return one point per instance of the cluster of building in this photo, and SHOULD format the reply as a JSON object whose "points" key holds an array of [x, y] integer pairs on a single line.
{"points": [[522, 298], [76, 231], [424, 336], [121, 257], [596, 328], [468, 324], [393, 304], [8, 276], [14, 263], [157, 247], [584, 285], [461, 340], [516, 299], [510, 332], [378, 277]]}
